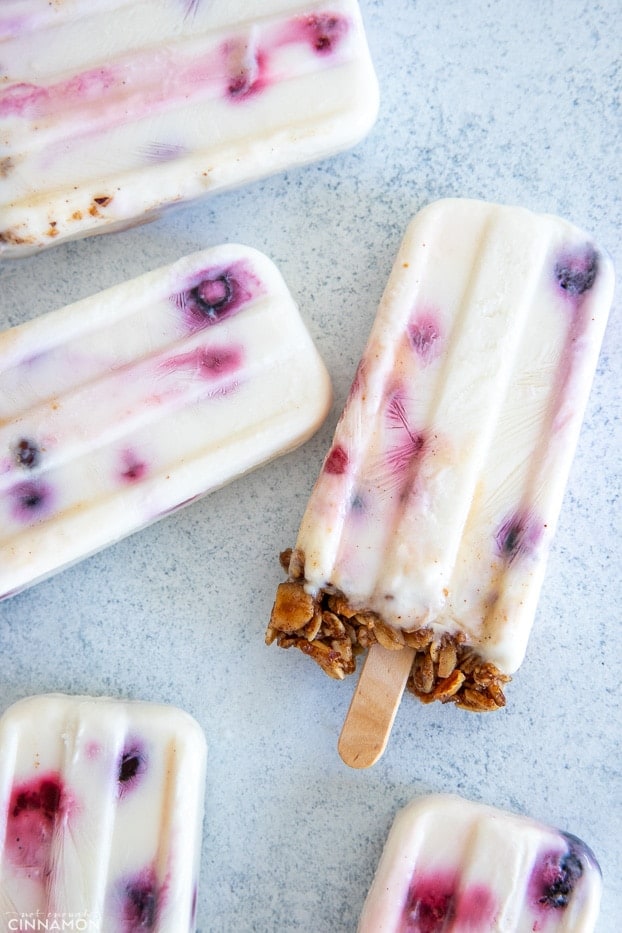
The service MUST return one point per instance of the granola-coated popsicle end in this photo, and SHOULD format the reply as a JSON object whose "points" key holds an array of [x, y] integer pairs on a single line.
{"points": [[434, 511]]}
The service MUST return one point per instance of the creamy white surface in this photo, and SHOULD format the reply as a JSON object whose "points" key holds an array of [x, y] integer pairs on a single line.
{"points": [[461, 426]]}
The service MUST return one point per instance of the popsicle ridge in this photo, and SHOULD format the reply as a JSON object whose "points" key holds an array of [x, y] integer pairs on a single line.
{"points": [[434, 511]]}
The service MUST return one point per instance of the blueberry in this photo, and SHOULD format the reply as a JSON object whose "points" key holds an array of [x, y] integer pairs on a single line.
{"points": [[131, 765], [141, 906], [518, 535], [27, 452], [213, 295], [325, 31], [576, 272], [29, 498], [560, 876], [44, 797]]}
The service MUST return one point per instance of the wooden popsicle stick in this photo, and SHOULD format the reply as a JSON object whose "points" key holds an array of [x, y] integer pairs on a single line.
{"points": [[374, 705]]}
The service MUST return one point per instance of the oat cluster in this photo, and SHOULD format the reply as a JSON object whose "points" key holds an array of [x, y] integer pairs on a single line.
{"points": [[333, 633]]}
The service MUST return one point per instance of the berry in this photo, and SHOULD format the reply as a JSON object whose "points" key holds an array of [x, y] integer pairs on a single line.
{"points": [[556, 874], [140, 907], [430, 907], [325, 31], [30, 500], [27, 452], [518, 535], [213, 295], [336, 461], [216, 293], [31, 816], [132, 764], [576, 272]]}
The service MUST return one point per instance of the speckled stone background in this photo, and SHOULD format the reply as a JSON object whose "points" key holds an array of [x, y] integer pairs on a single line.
{"points": [[517, 102]]}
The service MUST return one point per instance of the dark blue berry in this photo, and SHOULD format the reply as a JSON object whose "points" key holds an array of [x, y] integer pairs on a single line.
{"points": [[576, 272], [129, 767], [142, 905], [212, 296], [518, 535], [30, 496], [27, 453], [558, 892]]}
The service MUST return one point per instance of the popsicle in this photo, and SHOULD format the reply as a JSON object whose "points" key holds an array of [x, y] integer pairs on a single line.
{"points": [[112, 110], [428, 529], [453, 866], [101, 816], [118, 409]]}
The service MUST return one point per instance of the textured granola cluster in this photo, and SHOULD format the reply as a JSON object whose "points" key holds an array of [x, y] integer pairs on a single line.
{"points": [[331, 632]]}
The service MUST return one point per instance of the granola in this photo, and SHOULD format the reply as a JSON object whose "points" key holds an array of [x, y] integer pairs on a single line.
{"points": [[333, 633]]}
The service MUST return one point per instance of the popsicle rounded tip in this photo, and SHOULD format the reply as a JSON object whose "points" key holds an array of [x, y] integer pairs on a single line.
{"points": [[372, 712], [356, 756]]}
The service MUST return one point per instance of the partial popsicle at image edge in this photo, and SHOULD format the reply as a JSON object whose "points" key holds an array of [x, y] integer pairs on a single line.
{"points": [[101, 815], [430, 523], [450, 864], [113, 111], [127, 405]]}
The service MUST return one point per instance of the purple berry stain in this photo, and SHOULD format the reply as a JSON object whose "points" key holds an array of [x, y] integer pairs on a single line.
{"points": [[245, 67], [324, 31], [576, 270], [141, 897], [34, 807], [555, 876], [27, 453], [412, 446], [424, 336], [131, 766], [133, 469], [213, 295], [248, 77], [31, 500], [518, 536], [208, 363]]}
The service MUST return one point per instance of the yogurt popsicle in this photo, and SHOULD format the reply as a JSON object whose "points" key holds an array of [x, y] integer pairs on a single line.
{"points": [[101, 815], [429, 525], [126, 405], [453, 866], [113, 109]]}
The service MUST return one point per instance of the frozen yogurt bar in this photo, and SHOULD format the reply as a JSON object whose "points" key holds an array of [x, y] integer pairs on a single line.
{"points": [[430, 523], [453, 866], [101, 815], [124, 406], [111, 110]]}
